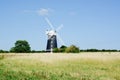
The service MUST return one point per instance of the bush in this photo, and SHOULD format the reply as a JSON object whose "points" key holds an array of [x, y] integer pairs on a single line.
{"points": [[72, 49], [62, 48], [55, 50]]}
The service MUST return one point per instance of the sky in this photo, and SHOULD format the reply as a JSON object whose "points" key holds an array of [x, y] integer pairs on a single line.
{"points": [[86, 23]]}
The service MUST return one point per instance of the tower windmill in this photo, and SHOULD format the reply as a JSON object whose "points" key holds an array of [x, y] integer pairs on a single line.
{"points": [[52, 37]]}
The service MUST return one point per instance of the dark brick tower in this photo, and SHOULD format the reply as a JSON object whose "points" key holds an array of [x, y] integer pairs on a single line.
{"points": [[51, 43]]}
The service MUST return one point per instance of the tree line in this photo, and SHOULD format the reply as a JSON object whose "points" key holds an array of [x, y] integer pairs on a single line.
{"points": [[22, 46]]}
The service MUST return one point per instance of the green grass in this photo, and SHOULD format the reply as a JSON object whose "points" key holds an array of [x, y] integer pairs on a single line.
{"points": [[83, 66]]}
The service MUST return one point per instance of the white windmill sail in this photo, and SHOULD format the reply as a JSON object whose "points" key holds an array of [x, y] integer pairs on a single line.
{"points": [[52, 36]]}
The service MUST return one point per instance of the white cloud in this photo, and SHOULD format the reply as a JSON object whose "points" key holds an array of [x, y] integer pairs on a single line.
{"points": [[41, 12], [44, 12]]}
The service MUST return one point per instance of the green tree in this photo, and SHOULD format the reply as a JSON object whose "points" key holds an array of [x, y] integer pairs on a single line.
{"points": [[55, 50], [72, 49], [4, 51], [62, 48], [21, 46], [92, 50], [1, 51]]}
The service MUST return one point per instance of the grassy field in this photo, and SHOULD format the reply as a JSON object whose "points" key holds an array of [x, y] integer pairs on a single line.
{"points": [[83, 66]]}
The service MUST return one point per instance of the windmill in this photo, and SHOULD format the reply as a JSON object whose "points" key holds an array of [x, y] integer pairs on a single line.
{"points": [[52, 37]]}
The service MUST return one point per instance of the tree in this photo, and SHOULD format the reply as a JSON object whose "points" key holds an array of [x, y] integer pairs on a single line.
{"points": [[55, 50], [72, 49], [21, 46], [4, 51], [62, 48], [92, 50], [1, 51]]}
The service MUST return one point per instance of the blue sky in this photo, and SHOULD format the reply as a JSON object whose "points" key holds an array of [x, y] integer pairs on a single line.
{"points": [[87, 23]]}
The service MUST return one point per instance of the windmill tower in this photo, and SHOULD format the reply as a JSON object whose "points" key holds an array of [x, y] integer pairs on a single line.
{"points": [[52, 41], [52, 37]]}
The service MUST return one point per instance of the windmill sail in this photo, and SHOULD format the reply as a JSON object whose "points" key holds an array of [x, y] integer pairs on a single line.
{"points": [[52, 37]]}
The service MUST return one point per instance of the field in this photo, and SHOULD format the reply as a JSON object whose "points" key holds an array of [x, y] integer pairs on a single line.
{"points": [[82, 66]]}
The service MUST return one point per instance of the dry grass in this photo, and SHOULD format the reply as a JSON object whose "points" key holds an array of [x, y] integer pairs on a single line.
{"points": [[48, 57], [82, 66]]}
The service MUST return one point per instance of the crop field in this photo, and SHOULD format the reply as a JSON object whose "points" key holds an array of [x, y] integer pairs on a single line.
{"points": [[60, 66]]}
